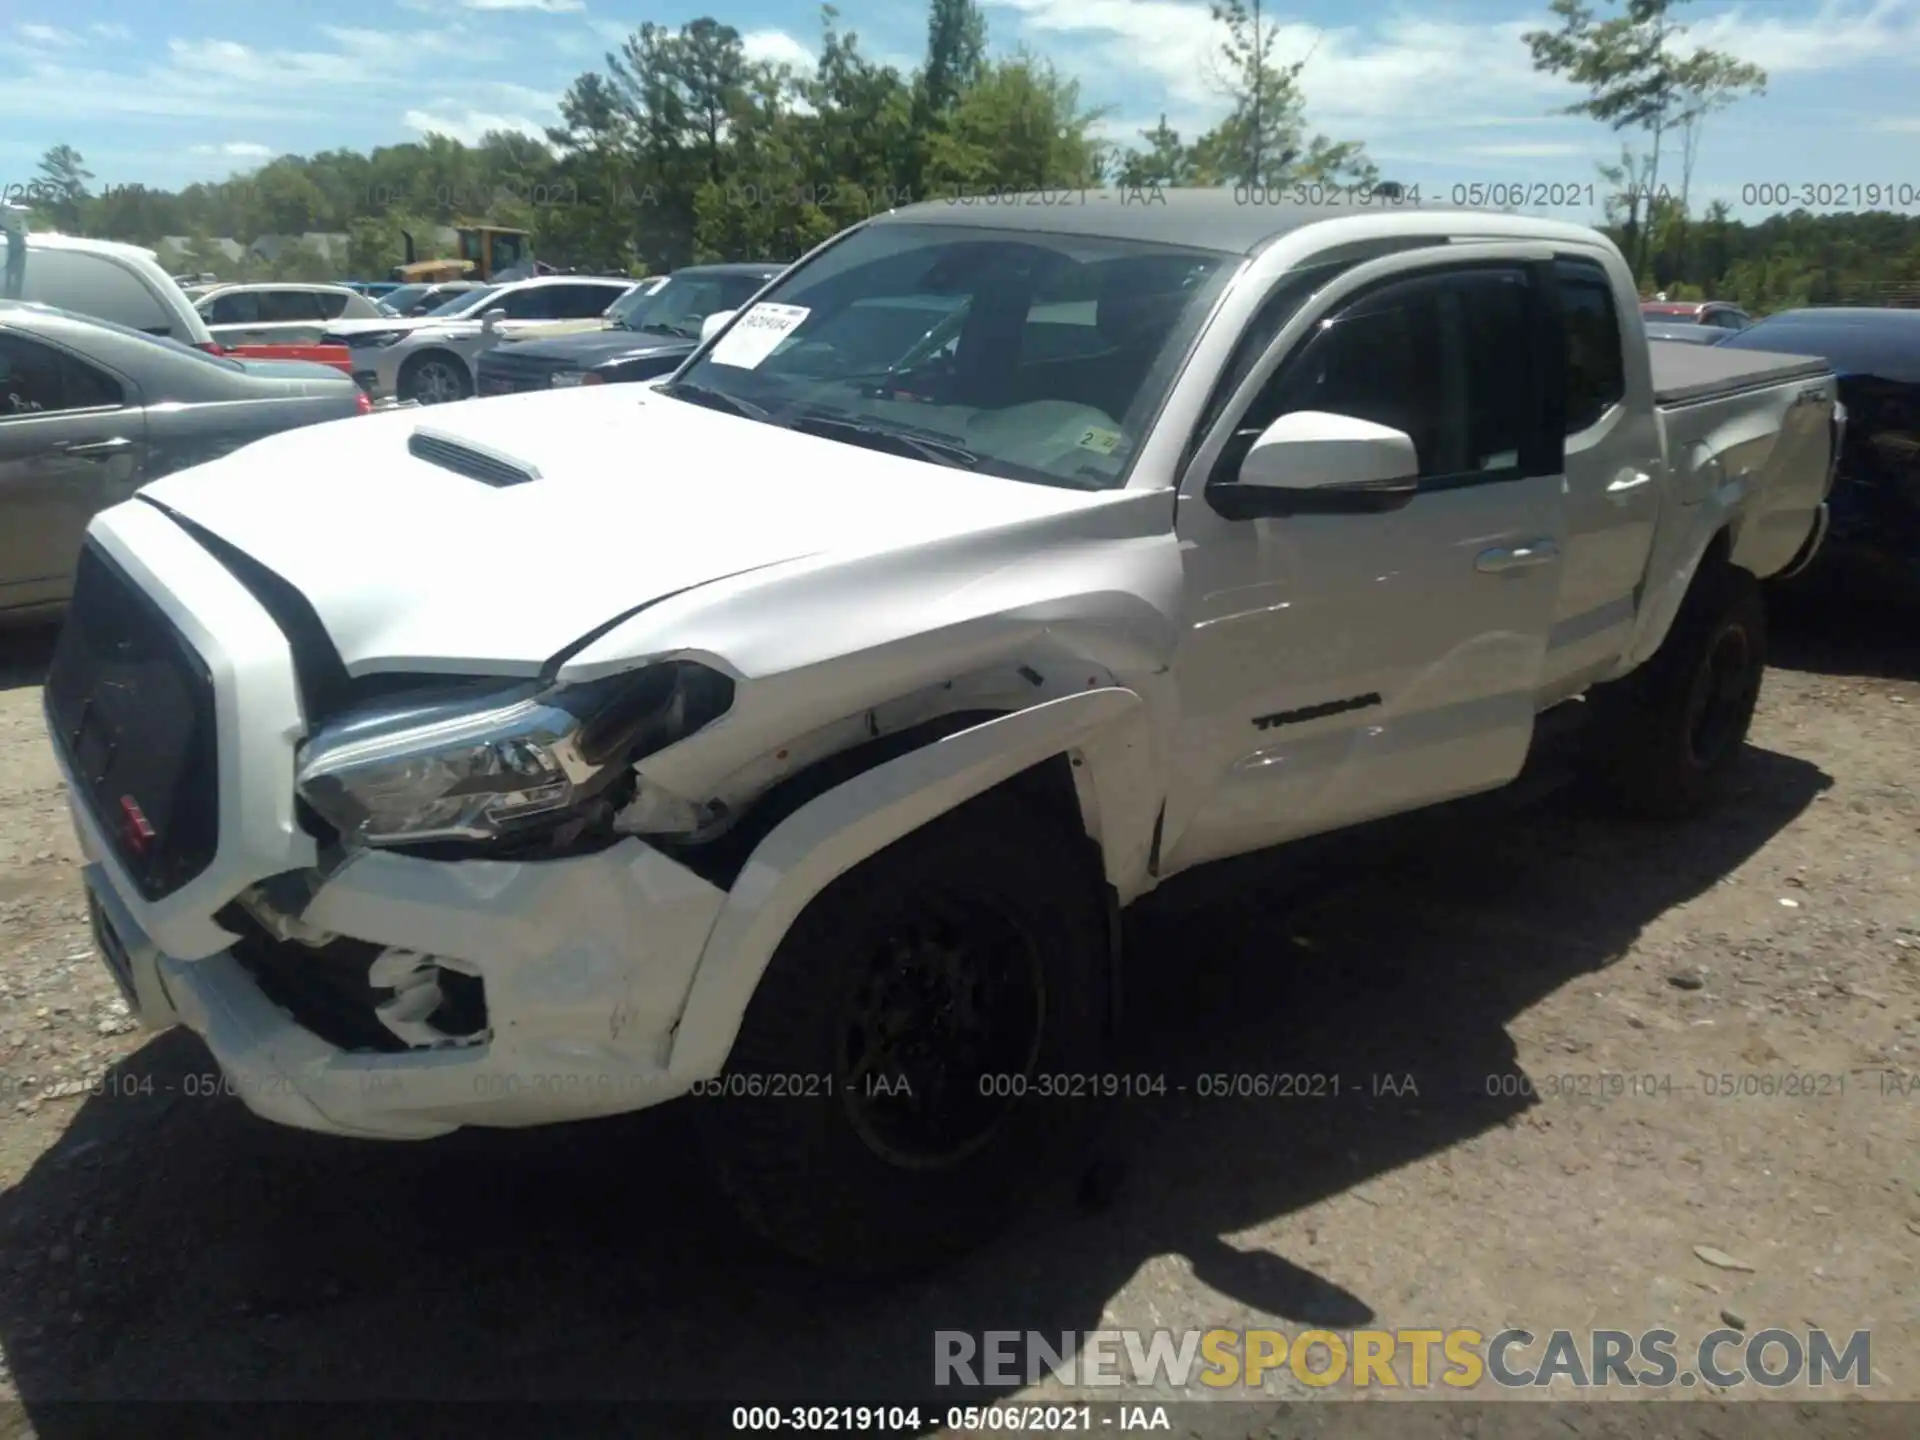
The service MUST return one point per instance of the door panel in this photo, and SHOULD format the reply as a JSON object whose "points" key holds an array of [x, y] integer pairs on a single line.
{"points": [[1337, 668], [1614, 463], [70, 445], [57, 471]]}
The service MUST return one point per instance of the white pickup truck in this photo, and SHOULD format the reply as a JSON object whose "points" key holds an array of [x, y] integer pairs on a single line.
{"points": [[793, 734]]}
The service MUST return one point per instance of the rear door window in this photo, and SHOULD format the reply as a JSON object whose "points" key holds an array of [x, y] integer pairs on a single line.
{"points": [[289, 306], [235, 307], [1596, 366]]}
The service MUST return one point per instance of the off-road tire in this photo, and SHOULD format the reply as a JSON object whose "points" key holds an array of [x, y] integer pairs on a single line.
{"points": [[796, 1166], [1652, 759]]}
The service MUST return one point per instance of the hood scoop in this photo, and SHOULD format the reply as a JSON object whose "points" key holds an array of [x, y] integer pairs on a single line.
{"points": [[464, 457]]}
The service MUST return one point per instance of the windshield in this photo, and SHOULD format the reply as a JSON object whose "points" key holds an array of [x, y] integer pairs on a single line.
{"points": [[677, 305], [395, 302], [465, 301], [1035, 356]]}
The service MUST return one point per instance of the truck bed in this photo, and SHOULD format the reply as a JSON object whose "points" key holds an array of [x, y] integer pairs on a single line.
{"points": [[1688, 374]]}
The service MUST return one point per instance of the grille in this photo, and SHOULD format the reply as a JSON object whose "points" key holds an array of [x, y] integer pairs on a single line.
{"points": [[503, 372], [131, 706]]}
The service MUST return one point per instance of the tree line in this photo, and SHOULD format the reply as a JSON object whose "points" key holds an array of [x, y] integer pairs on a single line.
{"points": [[682, 149]]}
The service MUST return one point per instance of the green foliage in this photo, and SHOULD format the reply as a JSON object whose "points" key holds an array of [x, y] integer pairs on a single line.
{"points": [[1638, 78], [1264, 141]]}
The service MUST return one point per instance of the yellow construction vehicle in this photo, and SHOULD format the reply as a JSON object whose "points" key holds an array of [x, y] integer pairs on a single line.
{"points": [[487, 252]]}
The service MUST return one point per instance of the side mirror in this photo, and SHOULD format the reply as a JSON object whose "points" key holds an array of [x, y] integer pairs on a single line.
{"points": [[715, 323], [1314, 463], [493, 317]]}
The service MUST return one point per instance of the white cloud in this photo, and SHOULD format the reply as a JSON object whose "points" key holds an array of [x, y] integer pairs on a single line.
{"points": [[1898, 124], [1406, 72], [1837, 36], [777, 47], [467, 126], [1403, 71], [47, 35], [224, 80], [111, 30], [1526, 150], [235, 150]]}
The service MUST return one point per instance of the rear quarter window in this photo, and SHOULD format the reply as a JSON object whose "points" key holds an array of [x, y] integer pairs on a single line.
{"points": [[95, 285]]}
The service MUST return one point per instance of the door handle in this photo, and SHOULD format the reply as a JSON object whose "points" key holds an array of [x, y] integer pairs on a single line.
{"points": [[1517, 557], [96, 449], [1627, 484]]}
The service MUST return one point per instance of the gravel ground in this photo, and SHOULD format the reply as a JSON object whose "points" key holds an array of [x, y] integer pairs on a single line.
{"points": [[157, 1241]]}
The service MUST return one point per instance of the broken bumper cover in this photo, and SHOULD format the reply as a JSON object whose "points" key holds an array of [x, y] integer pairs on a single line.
{"points": [[586, 964]]}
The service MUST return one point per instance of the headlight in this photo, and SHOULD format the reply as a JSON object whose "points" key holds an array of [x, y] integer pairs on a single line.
{"points": [[574, 377], [480, 764], [384, 337]]}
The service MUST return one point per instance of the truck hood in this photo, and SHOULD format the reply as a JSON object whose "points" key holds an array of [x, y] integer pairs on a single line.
{"points": [[415, 567]]}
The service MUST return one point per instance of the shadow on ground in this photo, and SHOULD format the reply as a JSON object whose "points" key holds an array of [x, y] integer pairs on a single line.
{"points": [[25, 653], [1827, 630], [173, 1246]]}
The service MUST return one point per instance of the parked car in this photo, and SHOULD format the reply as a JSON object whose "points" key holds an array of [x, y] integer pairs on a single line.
{"points": [[1717, 313], [90, 411], [433, 362], [815, 767], [1687, 334], [1875, 533], [648, 332], [422, 299], [101, 278], [280, 314]]}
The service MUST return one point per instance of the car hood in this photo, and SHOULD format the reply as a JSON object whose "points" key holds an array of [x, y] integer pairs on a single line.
{"points": [[404, 325], [603, 347], [415, 567]]}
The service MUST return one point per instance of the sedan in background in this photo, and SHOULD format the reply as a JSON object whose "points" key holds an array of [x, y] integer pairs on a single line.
{"points": [[1720, 314], [90, 411], [649, 331], [433, 361], [409, 301], [1687, 334], [1874, 526], [279, 314]]}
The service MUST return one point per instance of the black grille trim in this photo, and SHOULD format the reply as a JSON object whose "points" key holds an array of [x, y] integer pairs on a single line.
{"points": [[130, 703], [463, 457], [320, 672]]}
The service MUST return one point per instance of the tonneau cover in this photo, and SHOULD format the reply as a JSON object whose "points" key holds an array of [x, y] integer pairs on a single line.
{"points": [[1684, 374]]}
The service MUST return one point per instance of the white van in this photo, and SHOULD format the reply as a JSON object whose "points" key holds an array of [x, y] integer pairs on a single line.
{"points": [[102, 278]]}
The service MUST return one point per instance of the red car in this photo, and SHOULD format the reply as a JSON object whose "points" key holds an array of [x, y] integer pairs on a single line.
{"points": [[1696, 312]]}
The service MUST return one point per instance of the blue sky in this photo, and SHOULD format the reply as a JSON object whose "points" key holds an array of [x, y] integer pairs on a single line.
{"points": [[1443, 93]]}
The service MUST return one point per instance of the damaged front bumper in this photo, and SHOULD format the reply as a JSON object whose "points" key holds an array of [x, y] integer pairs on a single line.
{"points": [[379, 994], [581, 968]]}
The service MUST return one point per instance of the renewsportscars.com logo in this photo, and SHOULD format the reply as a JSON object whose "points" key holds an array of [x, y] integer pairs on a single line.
{"points": [[1400, 1359]]}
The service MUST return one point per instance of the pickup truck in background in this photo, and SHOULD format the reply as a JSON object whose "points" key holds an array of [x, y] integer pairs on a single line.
{"points": [[793, 733]]}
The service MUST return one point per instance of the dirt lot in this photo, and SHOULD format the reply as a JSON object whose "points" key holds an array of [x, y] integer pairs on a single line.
{"points": [[158, 1242]]}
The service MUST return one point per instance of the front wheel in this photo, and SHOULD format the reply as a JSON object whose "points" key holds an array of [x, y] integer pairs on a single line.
{"points": [[435, 378], [914, 1064], [1672, 733]]}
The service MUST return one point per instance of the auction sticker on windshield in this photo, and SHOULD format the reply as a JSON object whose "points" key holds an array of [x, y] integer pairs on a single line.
{"points": [[755, 334]]}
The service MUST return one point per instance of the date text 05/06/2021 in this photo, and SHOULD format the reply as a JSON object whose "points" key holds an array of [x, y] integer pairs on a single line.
{"points": [[1006, 1417]]}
